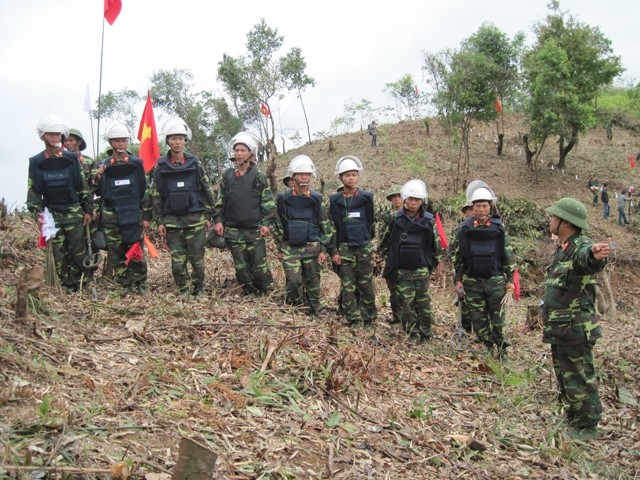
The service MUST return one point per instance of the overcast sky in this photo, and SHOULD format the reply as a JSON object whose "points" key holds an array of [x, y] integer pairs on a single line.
{"points": [[50, 52]]}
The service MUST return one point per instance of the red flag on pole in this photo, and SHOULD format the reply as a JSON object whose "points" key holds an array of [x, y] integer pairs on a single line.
{"points": [[632, 161], [443, 237], [417, 91], [498, 105], [112, 10], [148, 136], [516, 285], [264, 109]]}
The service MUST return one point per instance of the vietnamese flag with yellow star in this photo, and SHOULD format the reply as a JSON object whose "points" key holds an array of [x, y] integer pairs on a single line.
{"points": [[148, 136]]}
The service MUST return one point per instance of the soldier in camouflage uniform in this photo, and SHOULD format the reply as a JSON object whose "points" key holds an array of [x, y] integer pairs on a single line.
{"points": [[121, 185], [467, 211], [569, 315], [56, 182], [351, 212], [484, 267], [394, 196], [411, 246], [306, 236], [183, 205], [244, 213]]}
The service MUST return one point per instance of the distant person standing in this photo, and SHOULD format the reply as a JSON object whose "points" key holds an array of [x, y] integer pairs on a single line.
{"points": [[593, 185], [622, 205], [604, 198], [373, 131], [56, 182], [569, 315]]}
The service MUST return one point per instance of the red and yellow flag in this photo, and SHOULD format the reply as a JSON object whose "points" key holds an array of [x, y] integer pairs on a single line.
{"points": [[264, 109], [112, 10], [148, 136]]}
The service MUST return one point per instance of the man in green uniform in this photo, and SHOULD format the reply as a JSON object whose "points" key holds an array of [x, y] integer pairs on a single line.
{"points": [[411, 246], [351, 211], [484, 267], [306, 236], [121, 185], [182, 202], [570, 323], [56, 183], [394, 197], [243, 214]]}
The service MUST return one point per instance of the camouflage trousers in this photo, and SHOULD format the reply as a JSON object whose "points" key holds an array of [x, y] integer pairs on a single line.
{"points": [[358, 299], [187, 246], [302, 280], [414, 302], [130, 275], [69, 248], [577, 383], [483, 299], [250, 261], [394, 301]]}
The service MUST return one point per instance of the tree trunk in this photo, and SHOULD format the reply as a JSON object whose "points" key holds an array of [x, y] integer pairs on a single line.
{"points": [[500, 143], [304, 111], [195, 462], [564, 151], [271, 169], [528, 152]]}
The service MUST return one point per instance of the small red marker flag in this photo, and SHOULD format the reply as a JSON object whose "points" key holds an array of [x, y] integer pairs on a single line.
{"points": [[264, 109], [632, 161], [443, 237], [112, 10], [498, 105]]}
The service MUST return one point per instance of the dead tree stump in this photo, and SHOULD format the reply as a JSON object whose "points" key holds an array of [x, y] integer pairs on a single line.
{"points": [[195, 462], [31, 278]]}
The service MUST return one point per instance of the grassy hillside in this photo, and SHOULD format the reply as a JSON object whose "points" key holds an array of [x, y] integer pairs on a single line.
{"points": [[94, 381]]}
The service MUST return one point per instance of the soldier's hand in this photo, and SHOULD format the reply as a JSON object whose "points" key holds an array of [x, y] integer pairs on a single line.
{"points": [[87, 218], [219, 229], [264, 231], [146, 224], [207, 226], [335, 258], [322, 257], [600, 251], [162, 230]]}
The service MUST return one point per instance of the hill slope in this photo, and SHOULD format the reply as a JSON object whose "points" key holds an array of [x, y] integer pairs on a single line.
{"points": [[88, 383]]}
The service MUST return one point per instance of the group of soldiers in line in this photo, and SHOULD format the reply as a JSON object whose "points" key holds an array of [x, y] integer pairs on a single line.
{"points": [[306, 231]]}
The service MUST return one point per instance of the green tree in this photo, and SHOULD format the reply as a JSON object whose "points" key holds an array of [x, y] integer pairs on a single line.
{"points": [[463, 94], [587, 64], [119, 105], [293, 66], [404, 94]]}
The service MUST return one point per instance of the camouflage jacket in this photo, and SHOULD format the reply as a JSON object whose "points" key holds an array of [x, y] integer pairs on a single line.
{"points": [[570, 290]]}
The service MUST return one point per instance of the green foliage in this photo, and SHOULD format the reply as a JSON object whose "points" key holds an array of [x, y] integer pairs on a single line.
{"points": [[120, 105], [523, 218], [403, 91], [419, 410]]}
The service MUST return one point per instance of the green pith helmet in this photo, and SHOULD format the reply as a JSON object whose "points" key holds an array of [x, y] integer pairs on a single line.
{"points": [[286, 179], [570, 210], [466, 206], [393, 190], [77, 133]]}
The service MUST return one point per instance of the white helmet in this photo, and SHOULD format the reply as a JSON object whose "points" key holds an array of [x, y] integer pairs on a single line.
{"points": [[482, 194], [52, 124], [247, 139], [176, 126], [116, 129], [302, 164], [416, 189], [473, 186], [348, 163]]}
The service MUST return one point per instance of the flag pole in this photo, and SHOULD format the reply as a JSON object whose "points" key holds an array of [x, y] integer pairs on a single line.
{"points": [[100, 92]]}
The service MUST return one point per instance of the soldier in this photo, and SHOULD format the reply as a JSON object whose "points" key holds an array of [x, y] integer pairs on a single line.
{"points": [[183, 205], [351, 212], [56, 182], [121, 186], [243, 214], [306, 236], [394, 197], [484, 267], [412, 249], [569, 315], [467, 211]]}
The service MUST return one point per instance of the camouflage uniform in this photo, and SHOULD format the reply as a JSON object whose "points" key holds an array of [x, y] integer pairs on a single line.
{"points": [[407, 272], [464, 311], [248, 248], [186, 235], [485, 290], [357, 297], [69, 243], [120, 237], [300, 263], [571, 327]]}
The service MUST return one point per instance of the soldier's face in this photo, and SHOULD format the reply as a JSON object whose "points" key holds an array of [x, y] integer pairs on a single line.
{"points": [[119, 144], [72, 144], [481, 210], [350, 179], [243, 154], [412, 204], [52, 139], [396, 201], [176, 143], [554, 225], [301, 180]]}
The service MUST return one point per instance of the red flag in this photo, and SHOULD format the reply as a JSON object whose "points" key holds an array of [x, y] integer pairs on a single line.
{"points": [[498, 105], [148, 136], [151, 248], [42, 242], [443, 237], [264, 109], [112, 10], [516, 285], [632, 160], [134, 253], [417, 91]]}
